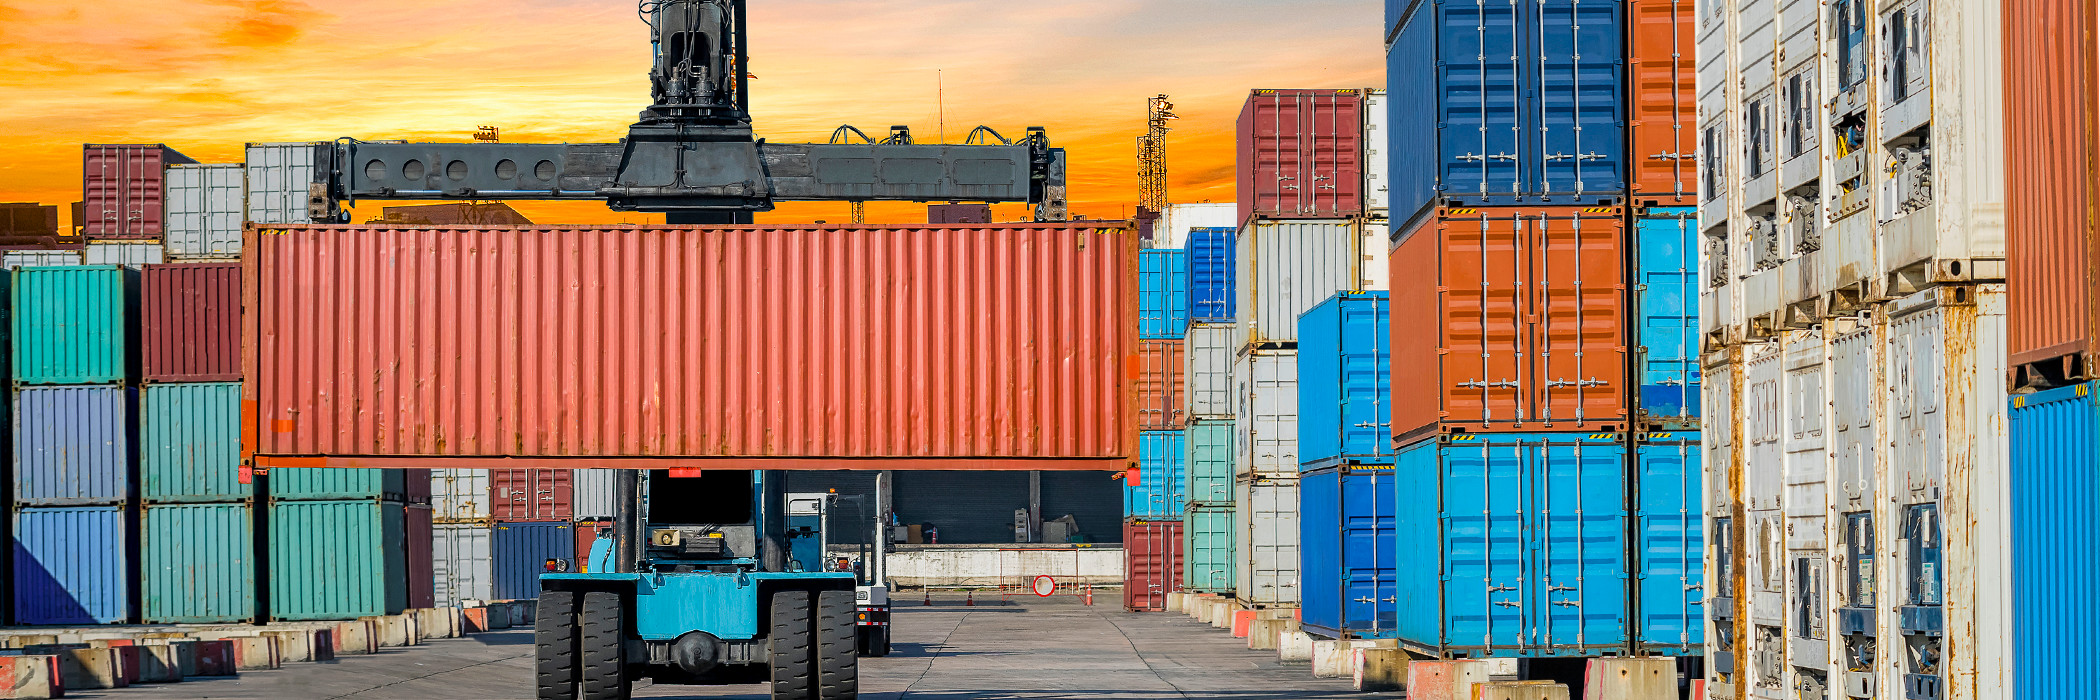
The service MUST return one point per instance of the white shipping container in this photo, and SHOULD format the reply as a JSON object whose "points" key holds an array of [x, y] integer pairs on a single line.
{"points": [[279, 176], [131, 254], [459, 495], [593, 494], [40, 258], [1287, 267], [1208, 375], [1266, 515], [460, 563], [1372, 271], [1378, 194], [1172, 230], [204, 211], [1265, 394]]}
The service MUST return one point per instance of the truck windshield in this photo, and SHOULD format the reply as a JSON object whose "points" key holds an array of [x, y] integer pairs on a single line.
{"points": [[713, 498]]}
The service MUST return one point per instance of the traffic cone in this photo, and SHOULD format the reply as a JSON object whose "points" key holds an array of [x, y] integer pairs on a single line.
{"points": [[929, 597], [1090, 594], [972, 599]]}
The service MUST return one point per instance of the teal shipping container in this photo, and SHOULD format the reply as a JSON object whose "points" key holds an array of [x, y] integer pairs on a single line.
{"points": [[1210, 461], [337, 560], [190, 445], [75, 324], [333, 484], [1207, 555], [198, 563]]}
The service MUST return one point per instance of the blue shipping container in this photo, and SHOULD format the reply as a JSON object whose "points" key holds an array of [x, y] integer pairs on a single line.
{"points": [[190, 443], [2055, 510], [1347, 541], [520, 555], [1163, 294], [73, 565], [74, 445], [1666, 296], [1162, 476], [1212, 265], [1671, 546], [1512, 103], [1344, 381]]}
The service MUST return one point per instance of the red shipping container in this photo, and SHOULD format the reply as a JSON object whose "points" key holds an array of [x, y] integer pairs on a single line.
{"points": [[124, 187], [1508, 320], [1301, 154], [1161, 366], [1663, 72], [1151, 563], [1009, 347], [586, 535], [2052, 189], [422, 572], [531, 494], [190, 317]]}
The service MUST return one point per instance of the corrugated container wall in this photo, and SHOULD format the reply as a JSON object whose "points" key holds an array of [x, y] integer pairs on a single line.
{"points": [[74, 445], [279, 175], [1151, 556], [337, 560], [460, 495], [335, 484], [1346, 535], [1378, 169], [198, 563], [1163, 294], [130, 255], [1670, 583], [1162, 476], [1265, 387], [2055, 436], [1207, 382], [532, 494], [205, 211], [123, 186], [1211, 268], [1284, 268], [43, 258], [934, 367], [1266, 559], [190, 322], [1179, 220], [72, 325], [1301, 154], [1666, 338], [594, 494], [1162, 365], [520, 554], [1344, 395], [2052, 104], [190, 443], [1662, 91], [418, 530], [1208, 548], [1210, 457], [461, 567], [73, 566]]}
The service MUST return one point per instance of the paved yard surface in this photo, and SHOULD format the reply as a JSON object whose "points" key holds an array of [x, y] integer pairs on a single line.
{"points": [[1034, 650]]}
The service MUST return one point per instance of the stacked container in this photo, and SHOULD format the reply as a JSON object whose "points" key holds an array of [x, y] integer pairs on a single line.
{"points": [[126, 210], [1155, 494], [1345, 491], [1207, 520], [462, 539], [531, 514]]}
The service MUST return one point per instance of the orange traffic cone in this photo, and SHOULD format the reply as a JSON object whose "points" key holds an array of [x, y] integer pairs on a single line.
{"points": [[972, 599]]}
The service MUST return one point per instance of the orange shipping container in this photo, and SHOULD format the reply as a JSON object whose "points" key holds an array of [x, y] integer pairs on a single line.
{"points": [[1664, 94], [744, 347], [2052, 100], [1510, 320], [1162, 364]]}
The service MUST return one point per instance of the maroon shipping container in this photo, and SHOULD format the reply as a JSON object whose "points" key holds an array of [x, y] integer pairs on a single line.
{"points": [[587, 535], [124, 186], [190, 318], [1663, 75], [1161, 367], [28, 219], [1301, 154], [422, 576], [1009, 347], [2052, 100], [531, 494], [1151, 563]]}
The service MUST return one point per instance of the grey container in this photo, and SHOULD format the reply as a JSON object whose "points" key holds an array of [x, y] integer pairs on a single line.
{"points": [[1265, 396], [1208, 375], [459, 495], [75, 445], [592, 494], [279, 175], [205, 211], [127, 254], [41, 258], [461, 563], [1288, 267], [1266, 520]]}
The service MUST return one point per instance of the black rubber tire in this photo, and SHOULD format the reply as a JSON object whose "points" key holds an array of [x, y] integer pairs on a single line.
{"points": [[838, 660], [554, 640], [789, 650], [603, 647]]}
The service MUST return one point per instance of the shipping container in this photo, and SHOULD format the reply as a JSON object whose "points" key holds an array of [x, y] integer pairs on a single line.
{"points": [[73, 566], [198, 563], [338, 484], [1211, 268], [1300, 154], [1669, 584], [1283, 268], [1372, 273], [190, 322], [521, 552], [2052, 111], [1662, 98], [1162, 365], [1346, 535], [1162, 475], [1209, 460], [337, 560], [130, 255], [1378, 194], [1180, 221], [33, 220], [74, 445], [190, 443], [936, 369], [1163, 294], [1207, 381], [1512, 104], [1207, 548], [279, 179], [1666, 342], [460, 495], [44, 258], [124, 186], [587, 532], [594, 497], [2056, 538], [461, 569], [532, 494], [73, 325], [1344, 395], [1518, 324], [205, 211], [1265, 436], [1265, 550], [1151, 556], [1530, 533], [418, 528]]}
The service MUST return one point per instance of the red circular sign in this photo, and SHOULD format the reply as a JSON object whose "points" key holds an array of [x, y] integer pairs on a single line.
{"points": [[1044, 586]]}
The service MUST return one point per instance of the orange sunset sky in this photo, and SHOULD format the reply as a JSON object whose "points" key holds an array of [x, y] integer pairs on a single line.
{"points": [[206, 76]]}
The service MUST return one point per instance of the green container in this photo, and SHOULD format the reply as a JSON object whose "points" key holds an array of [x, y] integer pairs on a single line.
{"points": [[337, 560], [191, 448], [1206, 549], [1209, 448], [333, 484], [198, 563], [73, 325]]}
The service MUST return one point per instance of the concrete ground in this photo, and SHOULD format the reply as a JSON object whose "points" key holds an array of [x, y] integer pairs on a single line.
{"points": [[1033, 649]]}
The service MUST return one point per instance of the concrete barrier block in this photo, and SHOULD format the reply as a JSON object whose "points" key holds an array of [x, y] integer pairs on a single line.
{"points": [[1205, 607], [1174, 601], [1630, 679], [1221, 615], [1445, 680], [30, 676], [128, 661], [216, 657], [474, 620], [1294, 645], [1327, 658], [438, 623], [527, 612], [1377, 670], [1521, 690], [84, 667], [256, 653], [24, 641], [1262, 634], [302, 645], [353, 637], [181, 652], [390, 630], [159, 663], [1241, 620]]}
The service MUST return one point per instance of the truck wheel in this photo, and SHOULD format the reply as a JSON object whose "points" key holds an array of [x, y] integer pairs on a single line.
{"points": [[604, 647], [838, 666], [788, 646], [554, 640]]}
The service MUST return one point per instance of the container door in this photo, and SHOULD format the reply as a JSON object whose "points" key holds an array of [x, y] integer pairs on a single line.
{"points": [[1272, 542], [1579, 543], [1483, 319], [1366, 411], [1324, 548], [1369, 541], [1577, 147], [1662, 66], [1668, 507], [1485, 577], [1577, 273], [1483, 124], [1668, 341]]}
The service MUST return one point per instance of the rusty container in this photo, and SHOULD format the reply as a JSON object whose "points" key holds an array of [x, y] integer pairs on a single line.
{"points": [[1151, 562], [1301, 154], [1508, 320], [125, 189], [190, 322], [1662, 91], [1008, 347], [1162, 367], [532, 494], [2052, 99]]}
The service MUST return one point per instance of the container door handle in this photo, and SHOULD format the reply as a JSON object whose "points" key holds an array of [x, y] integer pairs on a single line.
{"points": [[1509, 604]]}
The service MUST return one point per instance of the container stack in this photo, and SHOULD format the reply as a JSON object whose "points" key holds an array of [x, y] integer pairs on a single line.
{"points": [[1346, 495], [133, 193], [461, 537], [532, 513], [1207, 521], [1853, 318], [339, 542], [1154, 494]]}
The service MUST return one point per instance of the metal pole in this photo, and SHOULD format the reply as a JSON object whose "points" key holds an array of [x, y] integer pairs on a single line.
{"points": [[627, 520], [878, 568]]}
